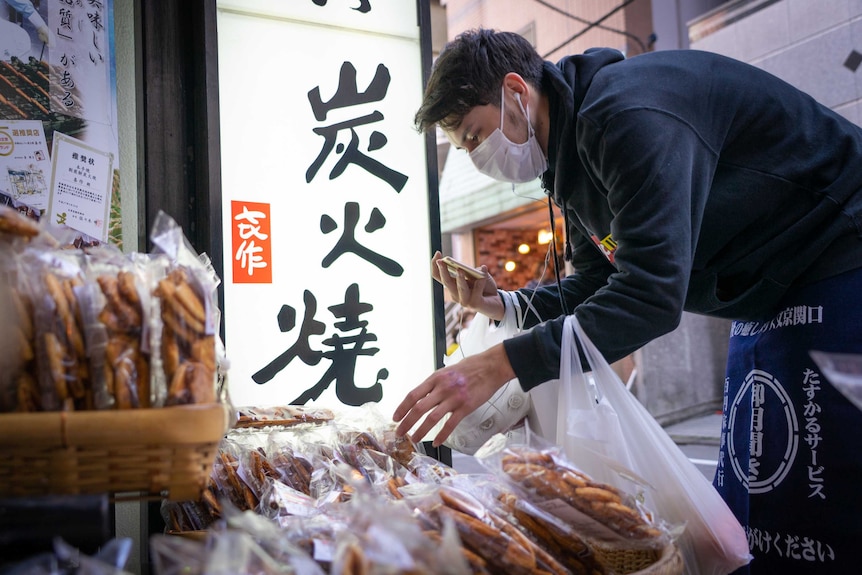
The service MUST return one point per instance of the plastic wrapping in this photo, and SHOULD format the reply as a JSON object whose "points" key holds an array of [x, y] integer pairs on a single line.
{"points": [[350, 494], [62, 365], [490, 543], [93, 328], [192, 352], [557, 537], [600, 512], [67, 560], [385, 537], [276, 542]]}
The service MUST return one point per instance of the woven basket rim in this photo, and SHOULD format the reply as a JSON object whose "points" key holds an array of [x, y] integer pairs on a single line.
{"points": [[670, 562], [167, 451], [178, 425]]}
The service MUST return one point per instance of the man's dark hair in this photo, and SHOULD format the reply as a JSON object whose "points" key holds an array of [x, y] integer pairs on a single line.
{"points": [[469, 73]]}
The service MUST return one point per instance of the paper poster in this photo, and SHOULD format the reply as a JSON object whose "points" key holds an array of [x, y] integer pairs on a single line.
{"points": [[57, 69], [25, 166], [80, 187], [80, 60]]}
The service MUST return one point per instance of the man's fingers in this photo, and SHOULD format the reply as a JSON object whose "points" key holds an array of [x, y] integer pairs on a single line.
{"points": [[431, 399], [435, 267], [416, 404], [412, 417], [447, 429], [465, 291], [431, 420], [446, 278], [460, 286], [409, 410], [478, 292], [404, 427], [417, 410], [406, 404]]}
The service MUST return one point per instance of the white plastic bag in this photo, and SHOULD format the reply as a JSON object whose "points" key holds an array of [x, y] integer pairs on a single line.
{"points": [[510, 404], [601, 425]]}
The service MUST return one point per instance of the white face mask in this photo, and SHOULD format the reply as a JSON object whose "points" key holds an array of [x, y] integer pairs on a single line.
{"points": [[502, 159]]}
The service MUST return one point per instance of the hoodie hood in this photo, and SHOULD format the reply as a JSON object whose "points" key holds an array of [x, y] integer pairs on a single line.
{"points": [[566, 84]]}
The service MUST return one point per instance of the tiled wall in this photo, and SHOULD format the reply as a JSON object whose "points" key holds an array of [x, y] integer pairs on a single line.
{"points": [[816, 45]]}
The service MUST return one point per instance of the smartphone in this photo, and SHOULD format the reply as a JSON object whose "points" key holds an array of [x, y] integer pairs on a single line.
{"points": [[455, 265]]}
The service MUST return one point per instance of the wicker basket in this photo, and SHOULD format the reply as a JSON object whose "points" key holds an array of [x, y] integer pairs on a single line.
{"points": [[667, 561], [165, 452]]}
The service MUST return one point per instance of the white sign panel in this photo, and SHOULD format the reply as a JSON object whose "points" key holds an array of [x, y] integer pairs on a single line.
{"points": [[328, 294]]}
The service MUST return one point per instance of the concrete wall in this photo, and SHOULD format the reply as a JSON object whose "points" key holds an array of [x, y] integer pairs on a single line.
{"points": [[816, 45], [670, 20], [681, 374]]}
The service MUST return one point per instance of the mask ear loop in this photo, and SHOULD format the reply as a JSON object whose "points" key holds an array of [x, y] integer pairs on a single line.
{"points": [[526, 112], [502, 105]]}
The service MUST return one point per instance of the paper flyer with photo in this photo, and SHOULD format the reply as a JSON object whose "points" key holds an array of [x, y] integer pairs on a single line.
{"points": [[25, 167], [81, 182]]}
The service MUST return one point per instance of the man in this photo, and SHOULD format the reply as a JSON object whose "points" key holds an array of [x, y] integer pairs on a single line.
{"points": [[688, 181]]}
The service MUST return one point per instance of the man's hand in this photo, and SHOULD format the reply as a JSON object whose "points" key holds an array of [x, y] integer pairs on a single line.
{"points": [[476, 294], [458, 389]]}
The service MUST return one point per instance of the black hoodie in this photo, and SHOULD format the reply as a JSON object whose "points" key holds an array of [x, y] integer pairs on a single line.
{"points": [[689, 181]]}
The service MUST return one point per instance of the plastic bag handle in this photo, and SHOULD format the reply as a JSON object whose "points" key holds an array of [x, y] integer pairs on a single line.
{"points": [[578, 396]]}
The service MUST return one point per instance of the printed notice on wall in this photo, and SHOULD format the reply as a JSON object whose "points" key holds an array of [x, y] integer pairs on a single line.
{"points": [[81, 182], [25, 167], [58, 70]]}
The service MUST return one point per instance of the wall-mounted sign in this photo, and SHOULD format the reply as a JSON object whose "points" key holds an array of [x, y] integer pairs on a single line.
{"points": [[328, 294]]}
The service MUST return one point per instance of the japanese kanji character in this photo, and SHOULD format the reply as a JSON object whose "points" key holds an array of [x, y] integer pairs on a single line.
{"points": [[346, 349], [301, 348], [347, 242], [347, 94]]}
